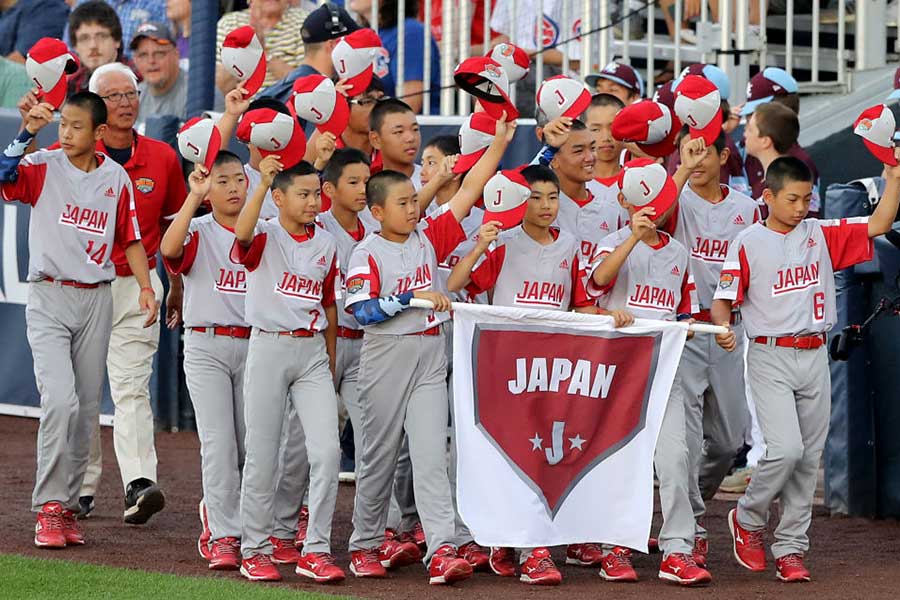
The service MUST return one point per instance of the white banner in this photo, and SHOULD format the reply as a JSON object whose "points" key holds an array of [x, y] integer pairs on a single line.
{"points": [[556, 418]]}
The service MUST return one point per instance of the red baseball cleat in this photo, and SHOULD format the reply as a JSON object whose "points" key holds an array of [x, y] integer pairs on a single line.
{"points": [[225, 554], [393, 553], [539, 569], [205, 533], [476, 556], [365, 563], [283, 551], [584, 555], [790, 569], [447, 567], [617, 566], [681, 569], [701, 549], [320, 567], [503, 561], [259, 567], [72, 530], [49, 530], [302, 525], [748, 545]]}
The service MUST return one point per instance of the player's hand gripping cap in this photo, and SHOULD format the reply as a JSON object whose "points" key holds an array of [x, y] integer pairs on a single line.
{"points": [[563, 96], [273, 133], [475, 135], [644, 182], [199, 141], [650, 125], [244, 58], [316, 100], [698, 105], [486, 79], [506, 198], [876, 127], [514, 60], [354, 59], [47, 64]]}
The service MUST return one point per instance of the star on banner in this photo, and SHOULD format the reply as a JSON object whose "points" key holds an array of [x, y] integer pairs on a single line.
{"points": [[536, 442], [577, 442]]}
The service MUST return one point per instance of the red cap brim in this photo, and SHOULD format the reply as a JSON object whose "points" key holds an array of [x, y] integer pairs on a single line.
{"points": [[256, 80], [467, 161], [578, 107], [496, 109], [667, 146], [340, 117], [665, 199], [360, 83], [293, 153], [212, 151], [711, 132], [882, 153], [57, 95], [508, 218]]}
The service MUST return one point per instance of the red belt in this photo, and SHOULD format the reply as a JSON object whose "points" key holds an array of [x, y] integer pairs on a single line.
{"points": [[706, 316], [800, 342], [436, 330], [74, 284], [235, 332], [304, 333], [350, 334]]}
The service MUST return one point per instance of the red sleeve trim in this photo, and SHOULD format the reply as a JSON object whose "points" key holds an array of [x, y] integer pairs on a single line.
{"points": [[182, 265], [445, 234], [484, 276], [249, 256], [127, 228], [28, 184], [848, 242], [331, 290], [688, 303]]}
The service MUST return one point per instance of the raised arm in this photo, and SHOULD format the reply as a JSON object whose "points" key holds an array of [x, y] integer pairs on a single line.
{"points": [[883, 218], [245, 226], [462, 272], [473, 185], [609, 267], [172, 244]]}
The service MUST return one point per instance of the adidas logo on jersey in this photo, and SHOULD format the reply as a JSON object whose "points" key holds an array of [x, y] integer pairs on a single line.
{"points": [[676, 271], [564, 264], [739, 220], [321, 262], [604, 226], [811, 243], [110, 193]]}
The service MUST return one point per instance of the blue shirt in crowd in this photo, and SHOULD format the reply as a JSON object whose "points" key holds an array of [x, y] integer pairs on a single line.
{"points": [[414, 63], [27, 21]]}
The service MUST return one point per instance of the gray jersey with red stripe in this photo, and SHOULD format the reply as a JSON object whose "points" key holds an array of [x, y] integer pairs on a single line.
{"points": [[707, 229], [784, 282], [653, 283], [214, 286], [76, 216], [590, 223], [289, 281], [471, 225]]}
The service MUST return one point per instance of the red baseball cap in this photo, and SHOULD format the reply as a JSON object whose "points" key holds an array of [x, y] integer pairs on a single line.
{"points": [[47, 64], [699, 106], [273, 132], [475, 135], [513, 59], [562, 96], [650, 125], [354, 59], [506, 198], [644, 182], [199, 141], [485, 78], [876, 127], [244, 58], [316, 100]]}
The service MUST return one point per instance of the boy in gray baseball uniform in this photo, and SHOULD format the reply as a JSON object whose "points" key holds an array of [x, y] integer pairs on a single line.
{"points": [[293, 282], [403, 366], [780, 272], [82, 204]]}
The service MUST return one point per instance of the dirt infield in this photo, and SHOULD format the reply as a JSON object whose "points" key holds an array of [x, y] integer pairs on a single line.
{"points": [[851, 558]]}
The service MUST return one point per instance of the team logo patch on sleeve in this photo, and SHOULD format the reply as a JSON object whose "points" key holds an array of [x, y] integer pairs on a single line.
{"points": [[354, 284], [725, 280], [144, 185]]}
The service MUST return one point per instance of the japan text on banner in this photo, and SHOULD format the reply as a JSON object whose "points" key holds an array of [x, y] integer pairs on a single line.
{"points": [[556, 418]]}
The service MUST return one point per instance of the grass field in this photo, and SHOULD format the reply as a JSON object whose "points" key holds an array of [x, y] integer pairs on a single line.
{"points": [[33, 578]]}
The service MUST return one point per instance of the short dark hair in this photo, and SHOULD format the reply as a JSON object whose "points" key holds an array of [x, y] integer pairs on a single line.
{"points": [[779, 123], [225, 157], [380, 184], [792, 101], [270, 103], [92, 103], [540, 173], [785, 170], [341, 159], [448, 145], [388, 13], [385, 107], [284, 179], [578, 125], [605, 100], [720, 144], [95, 11]]}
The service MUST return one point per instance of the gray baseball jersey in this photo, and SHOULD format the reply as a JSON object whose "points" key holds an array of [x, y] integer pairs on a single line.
{"points": [[76, 216], [254, 177], [784, 283], [289, 279], [471, 225], [593, 220]]}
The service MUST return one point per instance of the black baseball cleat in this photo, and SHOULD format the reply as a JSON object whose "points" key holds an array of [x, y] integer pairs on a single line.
{"points": [[86, 503], [143, 499]]}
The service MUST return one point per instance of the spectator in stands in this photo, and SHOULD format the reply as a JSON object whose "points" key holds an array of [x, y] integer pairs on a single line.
{"points": [[179, 14], [23, 22], [414, 52], [164, 86], [277, 27], [132, 13], [14, 83], [97, 33]]}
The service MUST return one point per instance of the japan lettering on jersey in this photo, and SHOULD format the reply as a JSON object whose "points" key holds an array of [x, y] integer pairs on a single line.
{"points": [[380, 268], [214, 286], [707, 229], [76, 218], [471, 226], [653, 283], [290, 281], [254, 177], [784, 283], [593, 220], [519, 271]]}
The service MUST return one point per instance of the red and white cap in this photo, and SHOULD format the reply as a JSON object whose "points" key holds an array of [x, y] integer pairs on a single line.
{"points": [[244, 58], [273, 132], [699, 106], [513, 59], [315, 100], [475, 135], [199, 141], [563, 96], [48, 63], [486, 79], [506, 198], [876, 127], [650, 125], [354, 59], [644, 182]]}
